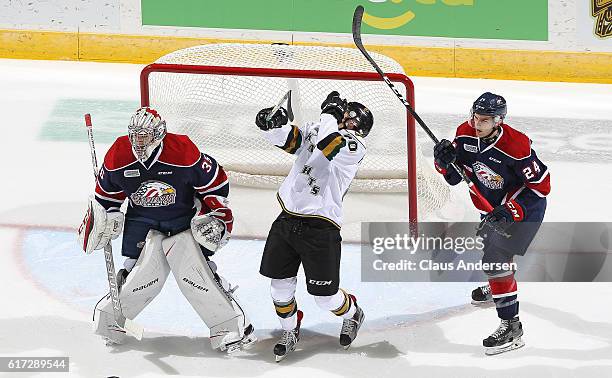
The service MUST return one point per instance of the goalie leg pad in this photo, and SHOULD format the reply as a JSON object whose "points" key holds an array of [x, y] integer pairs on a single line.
{"points": [[143, 283], [202, 287]]}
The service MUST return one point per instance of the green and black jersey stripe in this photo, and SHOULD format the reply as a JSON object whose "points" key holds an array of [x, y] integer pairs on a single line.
{"points": [[331, 145], [294, 140]]}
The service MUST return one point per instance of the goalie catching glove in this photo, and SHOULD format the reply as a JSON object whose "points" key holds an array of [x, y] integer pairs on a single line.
{"points": [[99, 227], [212, 226]]}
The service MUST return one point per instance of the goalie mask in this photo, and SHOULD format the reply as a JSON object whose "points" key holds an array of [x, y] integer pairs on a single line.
{"points": [[359, 119], [146, 131]]}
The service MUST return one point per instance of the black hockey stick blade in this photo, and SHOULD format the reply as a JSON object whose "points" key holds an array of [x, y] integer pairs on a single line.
{"points": [[357, 18], [289, 108]]}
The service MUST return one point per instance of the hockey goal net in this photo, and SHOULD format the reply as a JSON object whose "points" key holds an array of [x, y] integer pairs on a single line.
{"points": [[213, 92]]}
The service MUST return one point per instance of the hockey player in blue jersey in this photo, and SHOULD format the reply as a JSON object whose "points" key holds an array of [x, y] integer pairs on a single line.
{"points": [[509, 174], [177, 216]]}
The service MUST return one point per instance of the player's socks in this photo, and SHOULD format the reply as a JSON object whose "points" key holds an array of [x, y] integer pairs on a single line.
{"points": [[506, 337]]}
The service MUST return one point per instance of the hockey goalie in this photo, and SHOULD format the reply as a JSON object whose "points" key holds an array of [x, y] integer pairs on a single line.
{"points": [[177, 217]]}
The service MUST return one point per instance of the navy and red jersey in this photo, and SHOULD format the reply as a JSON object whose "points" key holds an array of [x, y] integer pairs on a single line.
{"points": [[506, 169], [165, 186]]}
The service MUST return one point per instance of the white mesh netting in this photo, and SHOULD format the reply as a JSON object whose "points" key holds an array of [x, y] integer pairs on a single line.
{"points": [[218, 113]]}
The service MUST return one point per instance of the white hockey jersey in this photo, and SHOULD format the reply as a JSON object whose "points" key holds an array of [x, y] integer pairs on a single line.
{"points": [[327, 161]]}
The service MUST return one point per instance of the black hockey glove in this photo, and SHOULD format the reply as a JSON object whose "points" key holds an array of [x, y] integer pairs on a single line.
{"points": [[335, 106], [445, 154], [279, 119], [502, 217]]}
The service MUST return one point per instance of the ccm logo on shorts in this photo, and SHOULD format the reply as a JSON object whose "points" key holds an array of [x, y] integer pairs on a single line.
{"points": [[319, 283]]}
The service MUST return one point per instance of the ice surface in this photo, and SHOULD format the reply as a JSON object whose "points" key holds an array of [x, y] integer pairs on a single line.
{"points": [[412, 329]]}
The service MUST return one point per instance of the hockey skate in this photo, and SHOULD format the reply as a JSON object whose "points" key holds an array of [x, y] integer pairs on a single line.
{"points": [[506, 337], [481, 296], [351, 326], [288, 340], [245, 343]]}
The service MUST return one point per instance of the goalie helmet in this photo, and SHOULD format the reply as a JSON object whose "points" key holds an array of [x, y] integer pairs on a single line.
{"points": [[146, 131], [360, 117]]}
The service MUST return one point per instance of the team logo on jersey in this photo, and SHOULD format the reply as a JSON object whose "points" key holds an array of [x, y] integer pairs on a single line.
{"points": [[131, 173], [470, 148], [487, 176], [154, 194], [601, 10]]}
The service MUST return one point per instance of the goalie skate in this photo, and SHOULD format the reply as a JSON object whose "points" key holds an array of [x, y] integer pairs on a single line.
{"points": [[245, 343]]}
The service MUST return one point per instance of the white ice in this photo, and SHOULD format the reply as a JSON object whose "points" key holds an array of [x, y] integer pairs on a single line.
{"points": [[48, 287]]}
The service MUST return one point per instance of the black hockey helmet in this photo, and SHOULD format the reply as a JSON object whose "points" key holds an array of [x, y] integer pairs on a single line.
{"points": [[361, 116], [491, 105]]}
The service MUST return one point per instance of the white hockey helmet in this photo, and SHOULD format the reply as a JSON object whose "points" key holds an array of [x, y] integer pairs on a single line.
{"points": [[146, 131]]}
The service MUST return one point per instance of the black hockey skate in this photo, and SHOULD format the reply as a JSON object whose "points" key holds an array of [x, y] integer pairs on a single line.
{"points": [[351, 326], [481, 296], [506, 337], [288, 340]]}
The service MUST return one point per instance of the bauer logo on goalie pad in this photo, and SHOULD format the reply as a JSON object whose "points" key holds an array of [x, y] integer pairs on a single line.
{"points": [[154, 194], [487, 176], [131, 173], [195, 285], [470, 148], [145, 285]]}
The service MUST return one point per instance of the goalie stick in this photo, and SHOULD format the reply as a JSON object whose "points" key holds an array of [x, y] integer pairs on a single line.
{"points": [[357, 19], [125, 324]]}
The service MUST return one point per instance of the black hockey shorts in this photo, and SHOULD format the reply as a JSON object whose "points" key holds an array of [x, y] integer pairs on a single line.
{"points": [[313, 242]]}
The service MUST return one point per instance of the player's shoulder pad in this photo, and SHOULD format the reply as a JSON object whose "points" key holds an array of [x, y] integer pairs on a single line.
{"points": [[119, 155], [514, 143], [179, 150], [465, 130]]}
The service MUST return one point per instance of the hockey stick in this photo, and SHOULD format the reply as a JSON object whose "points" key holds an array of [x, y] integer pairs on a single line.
{"points": [[286, 97], [357, 18], [127, 325]]}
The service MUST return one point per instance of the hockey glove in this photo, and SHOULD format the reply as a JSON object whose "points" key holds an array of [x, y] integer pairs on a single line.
{"points": [[335, 106], [279, 119], [445, 154], [212, 226], [502, 217]]}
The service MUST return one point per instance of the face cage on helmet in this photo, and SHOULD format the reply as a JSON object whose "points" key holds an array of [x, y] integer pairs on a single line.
{"points": [[356, 122], [145, 139]]}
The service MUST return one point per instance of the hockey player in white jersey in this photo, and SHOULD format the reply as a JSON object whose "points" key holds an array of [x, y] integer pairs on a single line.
{"points": [[163, 176], [307, 231]]}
